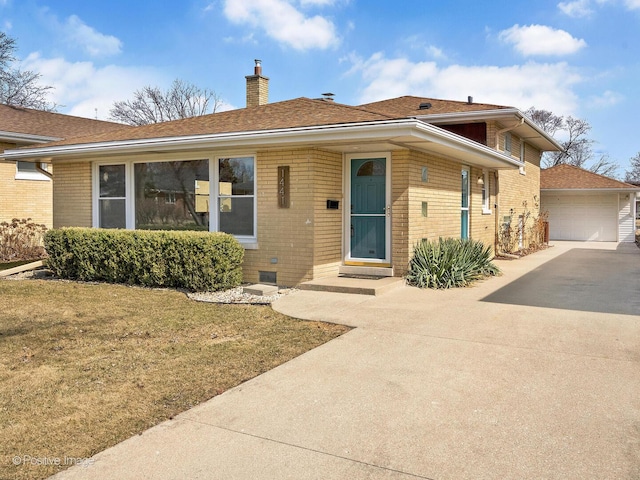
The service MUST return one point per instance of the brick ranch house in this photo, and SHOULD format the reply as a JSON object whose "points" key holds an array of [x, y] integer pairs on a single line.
{"points": [[25, 187], [311, 188]]}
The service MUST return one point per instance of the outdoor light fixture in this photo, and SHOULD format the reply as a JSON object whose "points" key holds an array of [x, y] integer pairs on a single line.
{"points": [[480, 180]]}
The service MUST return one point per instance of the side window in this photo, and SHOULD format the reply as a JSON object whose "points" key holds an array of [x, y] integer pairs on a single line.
{"points": [[31, 171], [486, 192], [236, 196], [112, 196], [507, 143]]}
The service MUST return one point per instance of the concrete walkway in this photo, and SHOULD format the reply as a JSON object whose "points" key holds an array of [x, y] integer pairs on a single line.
{"points": [[535, 374]]}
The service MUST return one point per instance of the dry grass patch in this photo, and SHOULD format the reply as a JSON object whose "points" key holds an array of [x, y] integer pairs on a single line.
{"points": [[83, 367]]}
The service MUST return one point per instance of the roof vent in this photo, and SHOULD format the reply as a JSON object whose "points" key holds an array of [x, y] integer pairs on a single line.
{"points": [[328, 96], [469, 99], [424, 106]]}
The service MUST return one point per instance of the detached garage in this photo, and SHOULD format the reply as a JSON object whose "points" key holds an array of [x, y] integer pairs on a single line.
{"points": [[586, 206]]}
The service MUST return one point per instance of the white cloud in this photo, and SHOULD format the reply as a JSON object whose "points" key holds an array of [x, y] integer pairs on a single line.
{"points": [[283, 22], [545, 85], [317, 3], [93, 42], [541, 40], [81, 87], [436, 52], [585, 8], [576, 9], [78, 35], [607, 99]]}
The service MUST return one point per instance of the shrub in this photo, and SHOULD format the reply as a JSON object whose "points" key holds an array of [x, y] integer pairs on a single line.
{"points": [[21, 240], [449, 263], [196, 261]]}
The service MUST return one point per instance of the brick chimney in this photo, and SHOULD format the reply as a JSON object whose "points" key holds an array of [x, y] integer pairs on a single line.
{"points": [[257, 87]]}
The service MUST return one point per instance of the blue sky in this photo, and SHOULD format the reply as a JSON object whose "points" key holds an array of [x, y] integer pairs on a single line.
{"points": [[573, 57]]}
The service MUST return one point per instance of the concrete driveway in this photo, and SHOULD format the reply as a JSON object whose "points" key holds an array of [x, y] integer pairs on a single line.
{"points": [[535, 374]]}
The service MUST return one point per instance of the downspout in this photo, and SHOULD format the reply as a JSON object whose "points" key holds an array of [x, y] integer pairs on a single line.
{"points": [[497, 210]]}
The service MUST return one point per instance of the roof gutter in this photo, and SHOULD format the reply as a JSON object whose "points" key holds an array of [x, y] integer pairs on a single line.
{"points": [[382, 130], [25, 138]]}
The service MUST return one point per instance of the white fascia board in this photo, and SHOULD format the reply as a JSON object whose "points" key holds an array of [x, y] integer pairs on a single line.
{"points": [[385, 130], [26, 138], [497, 114]]}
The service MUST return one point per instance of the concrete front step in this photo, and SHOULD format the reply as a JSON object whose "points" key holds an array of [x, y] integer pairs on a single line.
{"points": [[360, 286]]}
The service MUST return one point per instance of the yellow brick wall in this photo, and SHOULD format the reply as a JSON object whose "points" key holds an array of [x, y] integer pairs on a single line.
{"points": [[442, 193], [306, 237], [328, 231], [482, 226], [519, 194], [24, 198], [72, 195]]}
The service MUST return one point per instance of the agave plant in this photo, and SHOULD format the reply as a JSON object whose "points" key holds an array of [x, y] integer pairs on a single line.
{"points": [[449, 262]]}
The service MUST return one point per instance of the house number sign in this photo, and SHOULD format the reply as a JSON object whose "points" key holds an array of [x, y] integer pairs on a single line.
{"points": [[283, 187]]}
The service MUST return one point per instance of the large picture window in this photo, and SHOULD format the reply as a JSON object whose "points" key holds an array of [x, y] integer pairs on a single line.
{"points": [[236, 194], [199, 194], [172, 195]]}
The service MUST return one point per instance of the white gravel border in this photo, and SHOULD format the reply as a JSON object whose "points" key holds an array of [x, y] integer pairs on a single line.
{"points": [[237, 295], [232, 296]]}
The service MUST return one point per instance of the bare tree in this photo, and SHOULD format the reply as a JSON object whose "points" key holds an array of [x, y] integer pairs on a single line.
{"points": [[633, 174], [548, 121], [20, 88], [7, 47], [577, 149], [151, 105], [605, 166]]}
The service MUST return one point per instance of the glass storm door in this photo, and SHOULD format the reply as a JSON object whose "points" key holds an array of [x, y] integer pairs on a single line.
{"points": [[464, 210], [368, 235]]}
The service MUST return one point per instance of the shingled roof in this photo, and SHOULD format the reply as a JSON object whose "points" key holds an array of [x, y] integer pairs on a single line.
{"points": [[569, 177], [296, 113], [409, 106], [27, 121]]}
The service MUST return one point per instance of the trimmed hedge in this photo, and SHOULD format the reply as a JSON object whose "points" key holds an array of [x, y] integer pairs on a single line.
{"points": [[196, 261]]}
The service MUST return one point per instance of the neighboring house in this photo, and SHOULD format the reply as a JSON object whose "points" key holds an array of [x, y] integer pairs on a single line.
{"points": [[311, 188], [583, 205], [26, 187]]}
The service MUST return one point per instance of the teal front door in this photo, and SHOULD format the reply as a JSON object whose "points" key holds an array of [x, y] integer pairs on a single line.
{"points": [[368, 235]]}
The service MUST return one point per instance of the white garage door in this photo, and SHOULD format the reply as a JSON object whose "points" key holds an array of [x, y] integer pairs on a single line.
{"points": [[582, 217]]}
